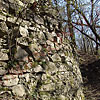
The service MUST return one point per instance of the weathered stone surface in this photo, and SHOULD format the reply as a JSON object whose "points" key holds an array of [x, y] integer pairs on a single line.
{"points": [[2, 18], [56, 58], [25, 23], [2, 64], [34, 47], [48, 87], [26, 76], [17, 2], [23, 41], [3, 56], [38, 69], [2, 71], [11, 19], [51, 68], [62, 97], [18, 90], [23, 31], [29, 1], [21, 53], [3, 29], [39, 20], [10, 80], [32, 1], [32, 28], [44, 67]]}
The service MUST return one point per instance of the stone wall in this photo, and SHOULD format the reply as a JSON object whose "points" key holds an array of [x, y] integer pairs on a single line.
{"points": [[37, 64]]}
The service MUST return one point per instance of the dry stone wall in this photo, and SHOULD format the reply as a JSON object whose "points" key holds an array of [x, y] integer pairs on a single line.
{"points": [[43, 65]]}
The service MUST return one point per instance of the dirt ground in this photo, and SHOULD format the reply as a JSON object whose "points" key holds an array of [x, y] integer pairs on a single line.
{"points": [[90, 69]]}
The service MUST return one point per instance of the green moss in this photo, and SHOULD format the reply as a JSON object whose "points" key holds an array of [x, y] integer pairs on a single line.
{"points": [[4, 89], [82, 97], [71, 54], [34, 64], [71, 81], [1, 13], [66, 53], [53, 98], [44, 93]]}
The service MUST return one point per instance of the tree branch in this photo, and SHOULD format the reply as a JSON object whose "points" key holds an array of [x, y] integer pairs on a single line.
{"points": [[86, 35]]}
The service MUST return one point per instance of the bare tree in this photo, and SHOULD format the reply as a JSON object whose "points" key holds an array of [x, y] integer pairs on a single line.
{"points": [[89, 22]]}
